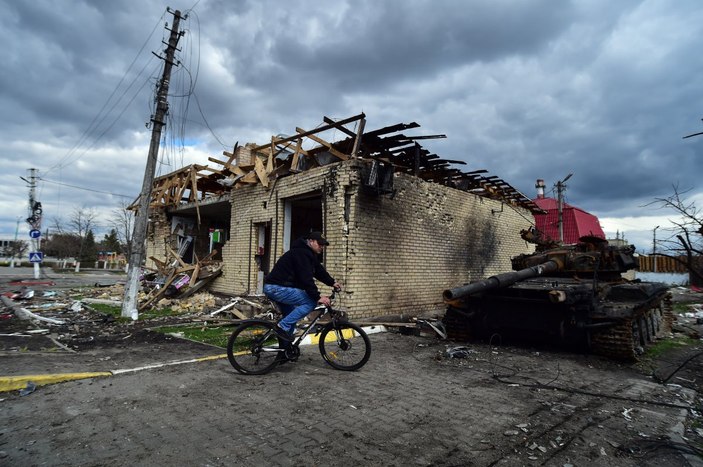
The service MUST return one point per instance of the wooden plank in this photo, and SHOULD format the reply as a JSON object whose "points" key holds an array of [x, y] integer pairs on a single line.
{"points": [[357, 141], [194, 190], [238, 171], [217, 161], [261, 172], [269, 165], [158, 295], [324, 143], [200, 284], [160, 266], [341, 128], [175, 255], [296, 156], [248, 178], [316, 130], [209, 256], [194, 276]]}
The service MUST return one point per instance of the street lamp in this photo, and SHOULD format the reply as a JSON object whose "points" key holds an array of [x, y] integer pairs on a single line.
{"points": [[654, 248], [560, 206]]}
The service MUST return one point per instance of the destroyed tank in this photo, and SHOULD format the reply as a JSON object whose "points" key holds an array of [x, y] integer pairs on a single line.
{"points": [[573, 295]]}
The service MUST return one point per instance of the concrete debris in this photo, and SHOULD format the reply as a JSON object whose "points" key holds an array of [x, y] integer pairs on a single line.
{"points": [[30, 388], [626, 414], [458, 352]]}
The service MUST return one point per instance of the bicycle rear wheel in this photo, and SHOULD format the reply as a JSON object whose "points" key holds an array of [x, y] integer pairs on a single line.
{"points": [[253, 348], [345, 346]]}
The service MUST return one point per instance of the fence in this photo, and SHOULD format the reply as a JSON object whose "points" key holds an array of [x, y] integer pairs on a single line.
{"points": [[663, 264]]}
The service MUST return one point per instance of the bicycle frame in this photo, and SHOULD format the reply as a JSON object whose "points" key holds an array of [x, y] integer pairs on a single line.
{"points": [[324, 309]]}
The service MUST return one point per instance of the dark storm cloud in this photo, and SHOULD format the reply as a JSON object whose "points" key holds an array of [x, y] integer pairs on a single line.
{"points": [[378, 43], [604, 90]]}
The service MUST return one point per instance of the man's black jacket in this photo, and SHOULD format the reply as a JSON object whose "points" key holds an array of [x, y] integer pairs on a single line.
{"points": [[298, 267]]}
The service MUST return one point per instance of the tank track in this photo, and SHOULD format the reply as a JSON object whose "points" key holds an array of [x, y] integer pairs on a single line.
{"points": [[628, 339]]}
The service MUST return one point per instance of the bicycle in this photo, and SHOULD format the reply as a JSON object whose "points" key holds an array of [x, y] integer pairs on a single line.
{"points": [[254, 348]]}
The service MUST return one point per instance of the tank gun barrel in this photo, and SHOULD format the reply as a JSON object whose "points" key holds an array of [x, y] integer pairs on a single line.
{"points": [[501, 280]]}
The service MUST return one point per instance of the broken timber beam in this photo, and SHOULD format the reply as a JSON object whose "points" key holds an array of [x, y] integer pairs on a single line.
{"points": [[316, 130]]}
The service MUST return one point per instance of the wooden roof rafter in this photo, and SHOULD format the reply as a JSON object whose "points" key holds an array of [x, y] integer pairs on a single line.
{"points": [[286, 155]]}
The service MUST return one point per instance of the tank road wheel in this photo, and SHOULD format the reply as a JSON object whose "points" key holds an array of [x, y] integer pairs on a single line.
{"points": [[637, 338], [644, 328]]}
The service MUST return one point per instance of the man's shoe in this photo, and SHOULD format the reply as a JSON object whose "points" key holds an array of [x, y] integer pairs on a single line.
{"points": [[283, 335]]}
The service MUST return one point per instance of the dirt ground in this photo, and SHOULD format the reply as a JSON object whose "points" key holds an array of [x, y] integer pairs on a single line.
{"points": [[411, 404]]}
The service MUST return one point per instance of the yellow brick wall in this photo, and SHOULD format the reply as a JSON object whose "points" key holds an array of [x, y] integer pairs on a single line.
{"points": [[395, 254], [404, 251]]}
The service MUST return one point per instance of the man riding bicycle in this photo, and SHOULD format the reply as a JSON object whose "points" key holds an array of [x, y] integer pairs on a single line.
{"points": [[291, 282]]}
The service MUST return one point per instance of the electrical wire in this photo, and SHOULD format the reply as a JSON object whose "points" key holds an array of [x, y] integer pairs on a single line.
{"points": [[85, 189], [92, 127]]}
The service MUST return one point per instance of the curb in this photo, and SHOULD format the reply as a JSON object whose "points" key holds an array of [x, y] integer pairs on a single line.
{"points": [[11, 383]]}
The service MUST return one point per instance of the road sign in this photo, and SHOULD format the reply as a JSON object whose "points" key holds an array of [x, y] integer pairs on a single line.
{"points": [[36, 257], [35, 233]]}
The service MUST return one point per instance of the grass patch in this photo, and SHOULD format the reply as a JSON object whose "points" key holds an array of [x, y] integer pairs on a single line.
{"points": [[683, 307], [213, 335], [113, 310], [665, 345], [116, 311]]}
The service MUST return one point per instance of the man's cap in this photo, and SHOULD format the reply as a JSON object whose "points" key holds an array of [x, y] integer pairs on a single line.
{"points": [[317, 236]]}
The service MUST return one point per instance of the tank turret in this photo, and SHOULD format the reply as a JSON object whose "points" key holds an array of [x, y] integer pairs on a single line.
{"points": [[573, 294]]}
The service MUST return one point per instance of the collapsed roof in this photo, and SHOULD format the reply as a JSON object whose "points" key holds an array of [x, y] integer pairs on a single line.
{"points": [[284, 155]]}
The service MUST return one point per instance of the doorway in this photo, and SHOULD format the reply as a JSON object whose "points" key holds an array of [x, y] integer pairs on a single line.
{"points": [[301, 216]]}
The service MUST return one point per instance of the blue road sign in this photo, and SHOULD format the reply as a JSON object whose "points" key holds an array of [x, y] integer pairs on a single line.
{"points": [[36, 257], [34, 233]]}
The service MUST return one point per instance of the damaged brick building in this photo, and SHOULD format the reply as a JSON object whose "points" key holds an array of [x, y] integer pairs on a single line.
{"points": [[403, 223]]}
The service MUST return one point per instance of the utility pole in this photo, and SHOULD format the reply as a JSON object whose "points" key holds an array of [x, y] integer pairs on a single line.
{"points": [[130, 302], [654, 249], [560, 206], [34, 221], [17, 231]]}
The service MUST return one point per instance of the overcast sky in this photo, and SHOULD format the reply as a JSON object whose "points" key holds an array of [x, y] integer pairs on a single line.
{"points": [[602, 90]]}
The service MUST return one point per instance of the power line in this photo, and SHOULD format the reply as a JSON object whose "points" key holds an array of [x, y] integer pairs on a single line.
{"points": [[93, 126], [86, 189]]}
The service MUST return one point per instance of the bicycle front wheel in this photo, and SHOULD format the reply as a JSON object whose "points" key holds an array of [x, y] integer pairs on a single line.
{"points": [[345, 346], [253, 348]]}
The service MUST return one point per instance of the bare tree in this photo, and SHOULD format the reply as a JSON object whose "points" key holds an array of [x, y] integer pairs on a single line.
{"points": [[82, 220], [16, 248], [57, 225], [686, 239], [123, 222]]}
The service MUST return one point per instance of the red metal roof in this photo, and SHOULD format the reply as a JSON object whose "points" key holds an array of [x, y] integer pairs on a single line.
{"points": [[577, 222]]}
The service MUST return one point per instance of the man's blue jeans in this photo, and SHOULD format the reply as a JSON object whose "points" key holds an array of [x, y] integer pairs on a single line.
{"points": [[295, 304]]}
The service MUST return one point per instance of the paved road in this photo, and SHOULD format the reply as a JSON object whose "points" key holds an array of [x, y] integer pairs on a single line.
{"points": [[408, 405]]}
